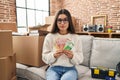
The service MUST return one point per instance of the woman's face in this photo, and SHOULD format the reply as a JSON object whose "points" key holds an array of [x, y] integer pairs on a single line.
{"points": [[63, 23]]}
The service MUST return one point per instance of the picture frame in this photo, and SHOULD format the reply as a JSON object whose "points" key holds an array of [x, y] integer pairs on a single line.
{"points": [[93, 18]]}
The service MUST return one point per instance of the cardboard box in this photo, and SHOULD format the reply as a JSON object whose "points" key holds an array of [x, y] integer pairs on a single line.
{"points": [[7, 67], [6, 47], [28, 50], [49, 20]]}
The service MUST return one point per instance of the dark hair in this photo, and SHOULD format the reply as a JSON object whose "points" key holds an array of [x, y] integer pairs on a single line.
{"points": [[67, 13]]}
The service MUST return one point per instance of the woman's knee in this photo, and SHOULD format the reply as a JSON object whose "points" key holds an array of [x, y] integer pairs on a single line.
{"points": [[51, 75], [70, 75]]}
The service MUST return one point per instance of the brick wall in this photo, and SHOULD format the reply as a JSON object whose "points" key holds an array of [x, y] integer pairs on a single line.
{"points": [[55, 5], [82, 10], [7, 11]]}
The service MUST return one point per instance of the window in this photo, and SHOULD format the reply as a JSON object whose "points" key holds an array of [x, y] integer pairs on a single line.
{"points": [[31, 13]]}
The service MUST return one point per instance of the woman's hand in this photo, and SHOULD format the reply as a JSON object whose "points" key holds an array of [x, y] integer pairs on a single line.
{"points": [[58, 53], [68, 53]]}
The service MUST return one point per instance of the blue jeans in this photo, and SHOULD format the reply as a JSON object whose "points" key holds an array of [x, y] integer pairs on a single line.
{"points": [[61, 73]]}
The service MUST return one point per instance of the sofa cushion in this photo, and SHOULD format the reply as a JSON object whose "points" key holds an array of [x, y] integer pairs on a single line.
{"points": [[87, 76], [81, 70], [20, 78], [105, 52], [87, 46], [21, 70], [35, 73]]}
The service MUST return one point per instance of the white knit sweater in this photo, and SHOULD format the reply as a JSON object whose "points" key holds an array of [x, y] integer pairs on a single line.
{"points": [[54, 41]]}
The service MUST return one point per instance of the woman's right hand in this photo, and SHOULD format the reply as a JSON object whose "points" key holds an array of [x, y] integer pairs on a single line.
{"points": [[58, 53]]}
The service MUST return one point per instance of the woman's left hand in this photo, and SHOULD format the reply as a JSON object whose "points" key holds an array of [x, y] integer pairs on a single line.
{"points": [[68, 53]]}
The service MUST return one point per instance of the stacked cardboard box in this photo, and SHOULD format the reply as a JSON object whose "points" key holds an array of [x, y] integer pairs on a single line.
{"points": [[38, 30], [6, 47], [28, 50], [7, 57], [7, 67], [49, 20]]}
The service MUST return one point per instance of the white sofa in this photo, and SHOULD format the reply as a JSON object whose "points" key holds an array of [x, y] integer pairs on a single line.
{"points": [[97, 52]]}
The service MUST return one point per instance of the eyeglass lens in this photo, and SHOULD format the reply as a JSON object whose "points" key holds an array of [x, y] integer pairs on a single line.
{"points": [[59, 20]]}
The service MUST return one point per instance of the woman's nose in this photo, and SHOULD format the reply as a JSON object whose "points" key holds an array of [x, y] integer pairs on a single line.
{"points": [[62, 22]]}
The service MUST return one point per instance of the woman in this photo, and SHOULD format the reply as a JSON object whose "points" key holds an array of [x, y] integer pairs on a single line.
{"points": [[62, 49]]}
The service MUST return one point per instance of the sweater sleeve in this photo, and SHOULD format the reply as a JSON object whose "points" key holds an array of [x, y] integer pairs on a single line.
{"points": [[78, 53], [47, 52]]}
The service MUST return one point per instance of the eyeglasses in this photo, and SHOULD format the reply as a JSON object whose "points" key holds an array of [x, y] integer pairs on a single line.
{"points": [[59, 20]]}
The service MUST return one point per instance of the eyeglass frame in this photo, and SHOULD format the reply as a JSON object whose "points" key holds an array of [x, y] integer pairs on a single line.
{"points": [[59, 20]]}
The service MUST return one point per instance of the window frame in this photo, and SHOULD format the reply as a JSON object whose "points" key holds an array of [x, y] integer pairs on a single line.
{"points": [[35, 14]]}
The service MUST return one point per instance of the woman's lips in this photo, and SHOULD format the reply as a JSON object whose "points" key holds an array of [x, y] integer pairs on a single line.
{"points": [[62, 26]]}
